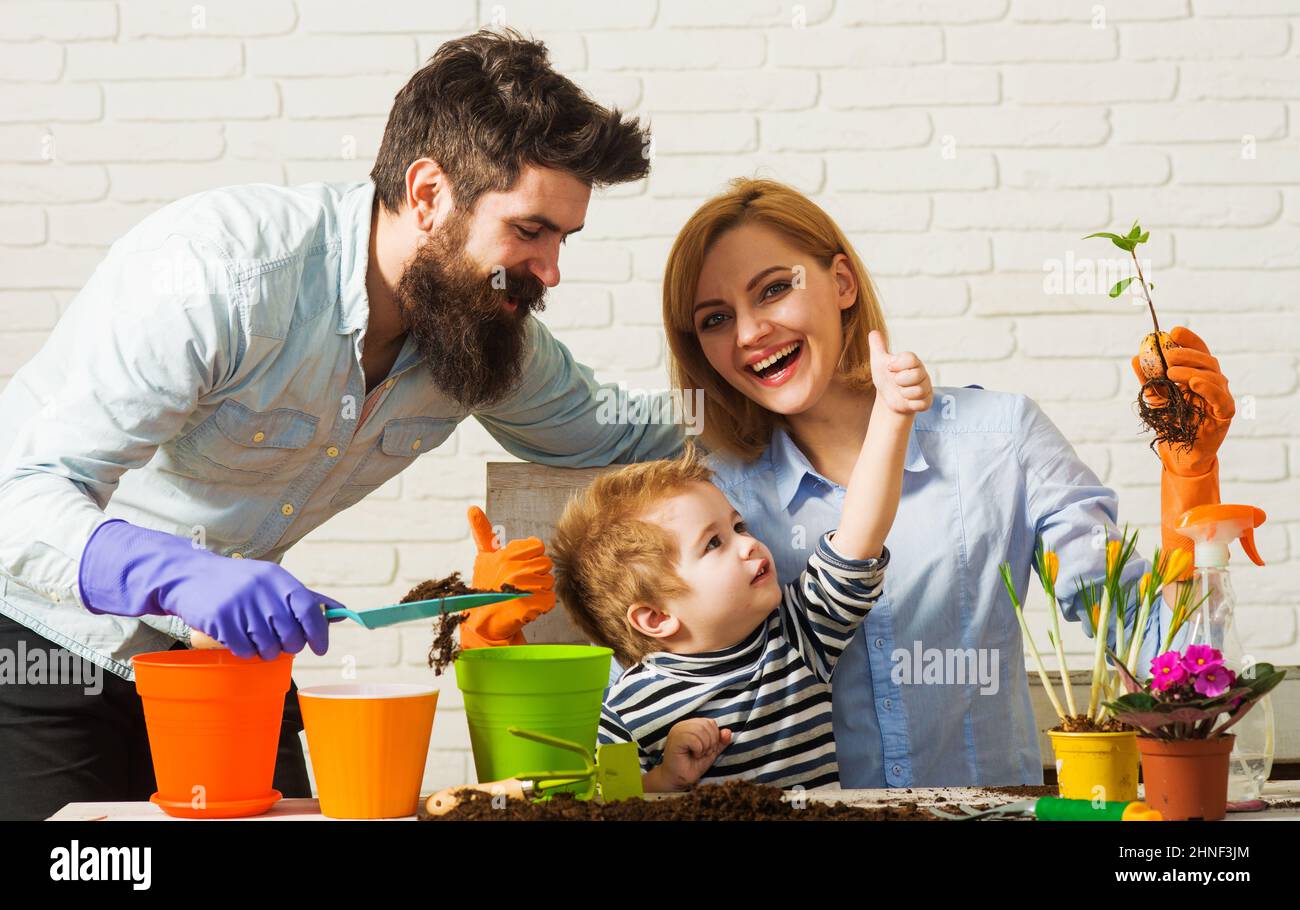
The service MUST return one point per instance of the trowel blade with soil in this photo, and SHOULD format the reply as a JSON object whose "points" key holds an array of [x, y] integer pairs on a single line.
{"points": [[418, 609]]}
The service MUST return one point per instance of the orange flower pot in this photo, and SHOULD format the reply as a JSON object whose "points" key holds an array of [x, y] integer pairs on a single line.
{"points": [[368, 744], [214, 729], [1188, 778]]}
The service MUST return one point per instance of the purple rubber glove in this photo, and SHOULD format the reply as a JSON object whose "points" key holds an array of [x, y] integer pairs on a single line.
{"points": [[251, 606]]}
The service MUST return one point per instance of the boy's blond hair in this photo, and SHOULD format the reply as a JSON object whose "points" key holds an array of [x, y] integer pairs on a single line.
{"points": [[608, 558]]}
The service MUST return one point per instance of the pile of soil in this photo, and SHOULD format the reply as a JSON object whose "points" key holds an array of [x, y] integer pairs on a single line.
{"points": [[734, 800], [443, 651], [1082, 723], [1024, 791]]}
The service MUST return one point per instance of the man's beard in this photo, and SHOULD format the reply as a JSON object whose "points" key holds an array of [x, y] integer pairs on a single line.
{"points": [[472, 344]]}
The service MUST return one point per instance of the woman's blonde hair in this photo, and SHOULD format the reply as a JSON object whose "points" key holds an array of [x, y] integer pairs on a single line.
{"points": [[732, 422]]}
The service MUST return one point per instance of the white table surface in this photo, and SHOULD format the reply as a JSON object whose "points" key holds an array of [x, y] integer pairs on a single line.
{"points": [[309, 809]]}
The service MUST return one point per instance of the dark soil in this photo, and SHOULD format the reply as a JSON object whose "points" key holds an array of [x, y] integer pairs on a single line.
{"points": [[1024, 791], [444, 649], [1082, 723], [728, 801]]}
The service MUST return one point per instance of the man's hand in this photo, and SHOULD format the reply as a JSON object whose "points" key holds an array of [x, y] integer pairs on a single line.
{"points": [[901, 380], [253, 607], [690, 750], [522, 563]]}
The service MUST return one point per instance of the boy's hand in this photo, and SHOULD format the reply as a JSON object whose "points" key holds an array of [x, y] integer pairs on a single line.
{"points": [[901, 380], [522, 563], [692, 747]]}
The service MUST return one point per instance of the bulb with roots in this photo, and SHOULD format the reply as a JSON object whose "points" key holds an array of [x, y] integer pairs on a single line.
{"points": [[1174, 414]]}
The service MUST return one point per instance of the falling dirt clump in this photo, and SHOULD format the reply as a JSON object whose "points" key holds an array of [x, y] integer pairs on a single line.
{"points": [[733, 800], [1082, 723], [444, 649]]}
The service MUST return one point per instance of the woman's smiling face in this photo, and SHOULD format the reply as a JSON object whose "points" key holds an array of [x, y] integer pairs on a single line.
{"points": [[767, 316]]}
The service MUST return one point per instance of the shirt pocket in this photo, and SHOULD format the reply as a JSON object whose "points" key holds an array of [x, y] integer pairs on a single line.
{"points": [[249, 444], [401, 440]]}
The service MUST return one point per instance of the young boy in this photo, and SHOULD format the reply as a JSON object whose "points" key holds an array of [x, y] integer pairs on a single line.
{"points": [[728, 675]]}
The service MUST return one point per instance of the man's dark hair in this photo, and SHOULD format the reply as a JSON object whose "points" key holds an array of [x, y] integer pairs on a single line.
{"points": [[486, 105]]}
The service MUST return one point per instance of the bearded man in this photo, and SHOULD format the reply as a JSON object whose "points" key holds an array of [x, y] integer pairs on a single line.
{"points": [[249, 361]]}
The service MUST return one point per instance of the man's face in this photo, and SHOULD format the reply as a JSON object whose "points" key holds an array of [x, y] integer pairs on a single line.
{"points": [[466, 295]]}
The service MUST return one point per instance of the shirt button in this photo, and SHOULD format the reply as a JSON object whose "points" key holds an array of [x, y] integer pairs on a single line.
{"points": [[880, 642], [889, 704], [898, 769], [286, 509], [332, 451], [415, 446], [236, 555], [258, 436]]}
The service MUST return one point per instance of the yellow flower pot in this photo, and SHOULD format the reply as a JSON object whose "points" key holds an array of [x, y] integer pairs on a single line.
{"points": [[1096, 766]]}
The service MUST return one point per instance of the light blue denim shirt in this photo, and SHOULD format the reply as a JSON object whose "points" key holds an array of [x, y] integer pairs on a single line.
{"points": [[986, 473], [207, 382]]}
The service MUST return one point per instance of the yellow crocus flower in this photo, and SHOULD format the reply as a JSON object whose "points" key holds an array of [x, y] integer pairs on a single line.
{"points": [[1176, 564]]}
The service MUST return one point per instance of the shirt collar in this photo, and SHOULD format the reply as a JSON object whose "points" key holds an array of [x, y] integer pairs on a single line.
{"points": [[792, 469], [354, 256], [737, 658]]}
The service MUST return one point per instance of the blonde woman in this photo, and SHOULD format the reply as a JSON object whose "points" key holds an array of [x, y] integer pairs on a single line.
{"points": [[768, 309]]}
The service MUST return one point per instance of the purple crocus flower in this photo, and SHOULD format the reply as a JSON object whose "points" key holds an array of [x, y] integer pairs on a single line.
{"points": [[1214, 681], [1199, 658], [1167, 670]]}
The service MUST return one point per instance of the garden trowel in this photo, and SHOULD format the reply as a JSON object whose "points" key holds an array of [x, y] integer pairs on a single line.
{"points": [[1055, 809], [613, 776]]}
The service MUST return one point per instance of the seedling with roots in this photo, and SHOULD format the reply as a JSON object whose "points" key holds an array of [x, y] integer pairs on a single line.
{"points": [[1172, 413]]}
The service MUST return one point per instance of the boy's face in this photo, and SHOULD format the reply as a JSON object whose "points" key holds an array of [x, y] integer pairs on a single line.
{"points": [[732, 579]]}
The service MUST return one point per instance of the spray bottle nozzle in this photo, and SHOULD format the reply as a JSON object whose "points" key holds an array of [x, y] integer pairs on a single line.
{"points": [[1213, 527]]}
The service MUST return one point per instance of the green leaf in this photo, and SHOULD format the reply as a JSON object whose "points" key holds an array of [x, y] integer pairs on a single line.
{"points": [[1124, 243], [1005, 571], [1121, 285], [1135, 232], [1137, 701]]}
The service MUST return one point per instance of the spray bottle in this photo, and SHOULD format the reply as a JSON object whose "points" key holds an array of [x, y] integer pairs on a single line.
{"points": [[1212, 528]]}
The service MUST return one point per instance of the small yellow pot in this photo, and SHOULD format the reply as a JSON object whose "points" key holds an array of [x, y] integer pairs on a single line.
{"points": [[1096, 766]]}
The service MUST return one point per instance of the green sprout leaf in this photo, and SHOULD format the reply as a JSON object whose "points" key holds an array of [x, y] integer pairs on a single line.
{"points": [[1121, 285], [1124, 243]]}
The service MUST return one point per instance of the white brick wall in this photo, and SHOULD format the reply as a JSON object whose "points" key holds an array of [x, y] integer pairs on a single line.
{"points": [[963, 145]]}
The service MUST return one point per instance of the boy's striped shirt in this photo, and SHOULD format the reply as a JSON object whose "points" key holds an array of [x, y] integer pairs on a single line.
{"points": [[772, 690]]}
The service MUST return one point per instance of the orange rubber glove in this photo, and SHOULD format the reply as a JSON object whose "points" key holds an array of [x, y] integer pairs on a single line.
{"points": [[1191, 478], [522, 563]]}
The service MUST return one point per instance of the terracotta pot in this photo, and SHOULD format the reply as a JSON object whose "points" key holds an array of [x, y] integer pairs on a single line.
{"points": [[1186, 779]]}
